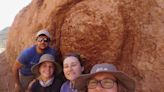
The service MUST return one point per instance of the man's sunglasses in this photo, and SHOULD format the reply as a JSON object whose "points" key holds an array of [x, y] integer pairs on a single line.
{"points": [[39, 39]]}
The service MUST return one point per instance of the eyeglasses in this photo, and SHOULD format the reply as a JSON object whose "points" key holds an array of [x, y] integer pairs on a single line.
{"points": [[39, 39], [105, 83]]}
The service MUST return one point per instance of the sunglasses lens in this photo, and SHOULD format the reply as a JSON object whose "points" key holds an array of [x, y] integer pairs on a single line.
{"points": [[43, 39]]}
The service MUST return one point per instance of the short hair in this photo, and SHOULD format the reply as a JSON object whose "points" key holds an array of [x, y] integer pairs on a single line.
{"points": [[121, 88]]}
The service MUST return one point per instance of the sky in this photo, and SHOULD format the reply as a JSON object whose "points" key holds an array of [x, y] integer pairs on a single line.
{"points": [[9, 9]]}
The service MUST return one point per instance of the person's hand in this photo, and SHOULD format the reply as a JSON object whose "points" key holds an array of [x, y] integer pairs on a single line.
{"points": [[18, 88]]}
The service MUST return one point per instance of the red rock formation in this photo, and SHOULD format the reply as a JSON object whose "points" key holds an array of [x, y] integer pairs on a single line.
{"points": [[128, 33], [6, 79]]}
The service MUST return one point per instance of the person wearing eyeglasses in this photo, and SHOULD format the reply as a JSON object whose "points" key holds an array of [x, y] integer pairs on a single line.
{"points": [[105, 78], [29, 57], [73, 66]]}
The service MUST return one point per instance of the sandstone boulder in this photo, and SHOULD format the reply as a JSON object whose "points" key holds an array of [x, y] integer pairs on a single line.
{"points": [[6, 77], [127, 33]]}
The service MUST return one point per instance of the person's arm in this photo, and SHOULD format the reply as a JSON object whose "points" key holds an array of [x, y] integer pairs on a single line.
{"points": [[17, 65]]}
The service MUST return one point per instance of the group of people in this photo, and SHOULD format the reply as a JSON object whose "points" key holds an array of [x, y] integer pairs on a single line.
{"points": [[37, 69]]}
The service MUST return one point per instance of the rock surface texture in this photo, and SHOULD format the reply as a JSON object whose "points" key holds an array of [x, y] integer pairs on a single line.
{"points": [[127, 33]]}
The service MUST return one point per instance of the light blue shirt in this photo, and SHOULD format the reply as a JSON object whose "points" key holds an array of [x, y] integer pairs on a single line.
{"points": [[67, 87]]}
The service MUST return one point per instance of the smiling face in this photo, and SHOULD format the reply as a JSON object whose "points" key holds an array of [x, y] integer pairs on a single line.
{"points": [[72, 68], [42, 42], [99, 88], [46, 70]]}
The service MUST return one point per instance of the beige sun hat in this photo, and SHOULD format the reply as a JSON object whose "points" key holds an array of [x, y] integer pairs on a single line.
{"points": [[127, 82], [46, 58], [43, 32]]}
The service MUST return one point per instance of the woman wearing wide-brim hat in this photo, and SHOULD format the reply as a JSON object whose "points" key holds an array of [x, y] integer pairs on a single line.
{"points": [[105, 78], [47, 71]]}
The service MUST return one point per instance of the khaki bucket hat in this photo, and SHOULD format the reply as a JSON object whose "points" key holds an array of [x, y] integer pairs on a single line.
{"points": [[127, 82], [46, 58]]}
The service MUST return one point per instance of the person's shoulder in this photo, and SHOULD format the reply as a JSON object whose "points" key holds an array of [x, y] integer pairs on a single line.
{"points": [[65, 84], [32, 85], [26, 54], [51, 49], [29, 49]]}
